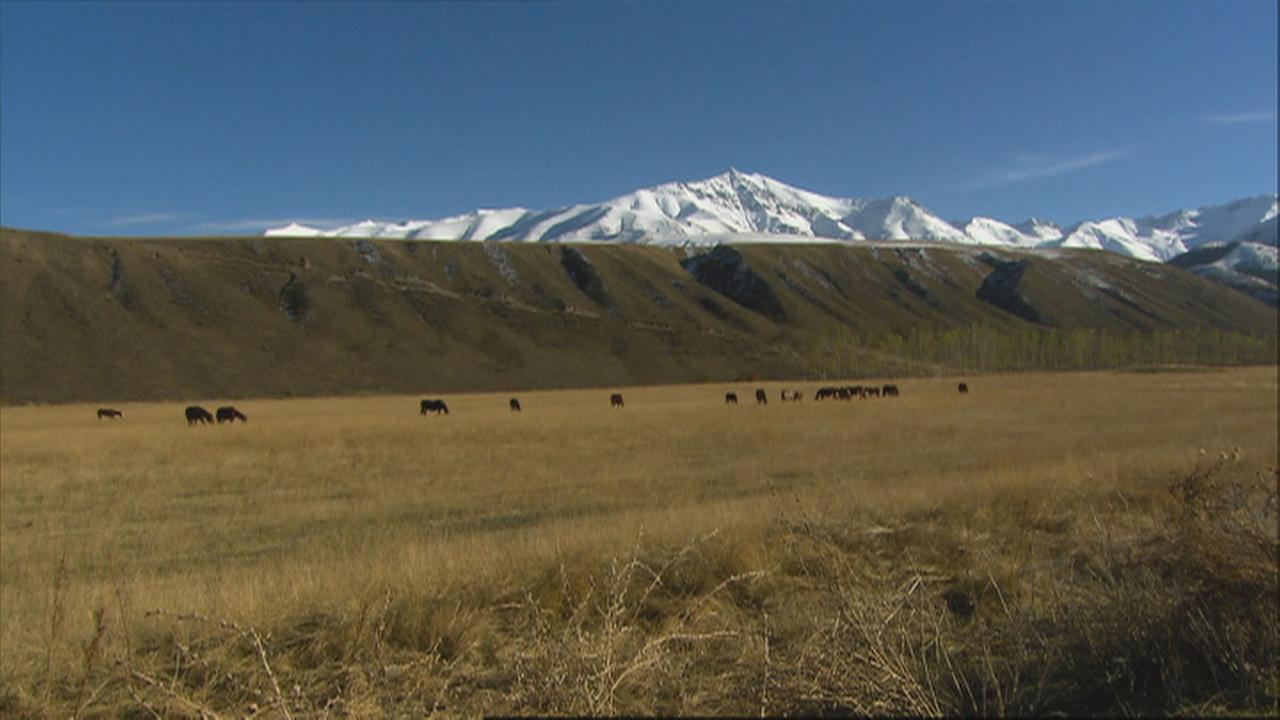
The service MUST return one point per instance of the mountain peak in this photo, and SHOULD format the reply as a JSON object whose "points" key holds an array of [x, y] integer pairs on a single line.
{"points": [[735, 177]]}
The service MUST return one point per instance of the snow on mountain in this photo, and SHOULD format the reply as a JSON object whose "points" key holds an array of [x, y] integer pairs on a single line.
{"points": [[1266, 233], [678, 213], [1041, 230], [1222, 223], [989, 231], [1253, 258], [1168, 236], [1248, 266], [1126, 237], [900, 218], [736, 205], [295, 230]]}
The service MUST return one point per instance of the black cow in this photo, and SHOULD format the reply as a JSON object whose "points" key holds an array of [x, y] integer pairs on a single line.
{"points": [[109, 413], [229, 414], [515, 405], [761, 397], [964, 388], [615, 400], [197, 414], [840, 393], [796, 396], [435, 406], [731, 398], [889, 391]]}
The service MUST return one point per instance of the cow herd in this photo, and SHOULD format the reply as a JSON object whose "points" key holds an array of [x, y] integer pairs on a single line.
{"points": [[197, 415], [845, 392], [762, 398], [194, 414], [849, 392]]}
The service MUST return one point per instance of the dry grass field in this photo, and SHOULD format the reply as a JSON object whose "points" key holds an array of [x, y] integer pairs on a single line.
{"points": [[1082, 543]]}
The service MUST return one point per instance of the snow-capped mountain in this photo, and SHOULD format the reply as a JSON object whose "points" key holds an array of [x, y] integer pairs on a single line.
{"points": [[678, 213], [1171, 235], [1246, 265], [752, 206], [989, 231]]}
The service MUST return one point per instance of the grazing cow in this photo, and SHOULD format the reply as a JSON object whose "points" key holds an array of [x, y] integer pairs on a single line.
{"points": [[889, 391], [435, 406], [731, 398], [796, 396], [761, 398], [109, 413], [870, 392], [615, 400], [196, 414], [824, 393], [230, 414], [515, 405], [964, 388]]}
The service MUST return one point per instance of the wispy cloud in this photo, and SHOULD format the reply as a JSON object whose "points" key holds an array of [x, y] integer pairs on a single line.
{"points": [[1241, 118], [262, 224], [1033, 166], [148, 218]]}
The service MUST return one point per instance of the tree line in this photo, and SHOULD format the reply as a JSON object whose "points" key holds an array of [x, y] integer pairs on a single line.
{"points": [[983, 348]]}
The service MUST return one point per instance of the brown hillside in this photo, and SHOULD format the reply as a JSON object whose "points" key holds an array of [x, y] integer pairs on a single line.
{"points": [[132, 319]]}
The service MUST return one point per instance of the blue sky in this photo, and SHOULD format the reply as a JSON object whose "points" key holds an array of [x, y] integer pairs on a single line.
{"points": [[224, 118]]}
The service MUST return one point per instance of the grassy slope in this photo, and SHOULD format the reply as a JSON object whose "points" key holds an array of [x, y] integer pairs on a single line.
{"points": [[1016, 550], [129, 319]]}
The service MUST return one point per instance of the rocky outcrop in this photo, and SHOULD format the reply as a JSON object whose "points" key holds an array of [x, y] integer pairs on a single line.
{"points": [[726, 271], [1001, 287], [584, 276]]}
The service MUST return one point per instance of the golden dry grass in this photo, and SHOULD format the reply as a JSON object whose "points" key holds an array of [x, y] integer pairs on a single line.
{"points": [[321, 515]]}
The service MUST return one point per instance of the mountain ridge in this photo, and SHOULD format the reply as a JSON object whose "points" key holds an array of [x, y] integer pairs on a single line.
{"points": [[113, 319], [714, 210]]}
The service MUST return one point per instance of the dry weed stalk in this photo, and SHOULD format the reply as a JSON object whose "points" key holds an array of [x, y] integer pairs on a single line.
{"points": [[884, 651], [764, 685], [601, 647], [91, 655], [237, 632], [56, 618], [186, 702], [266, 666], [133, 693]]}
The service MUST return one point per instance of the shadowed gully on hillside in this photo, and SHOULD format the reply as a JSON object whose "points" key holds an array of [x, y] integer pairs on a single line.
{"points": [[127, 319]]}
